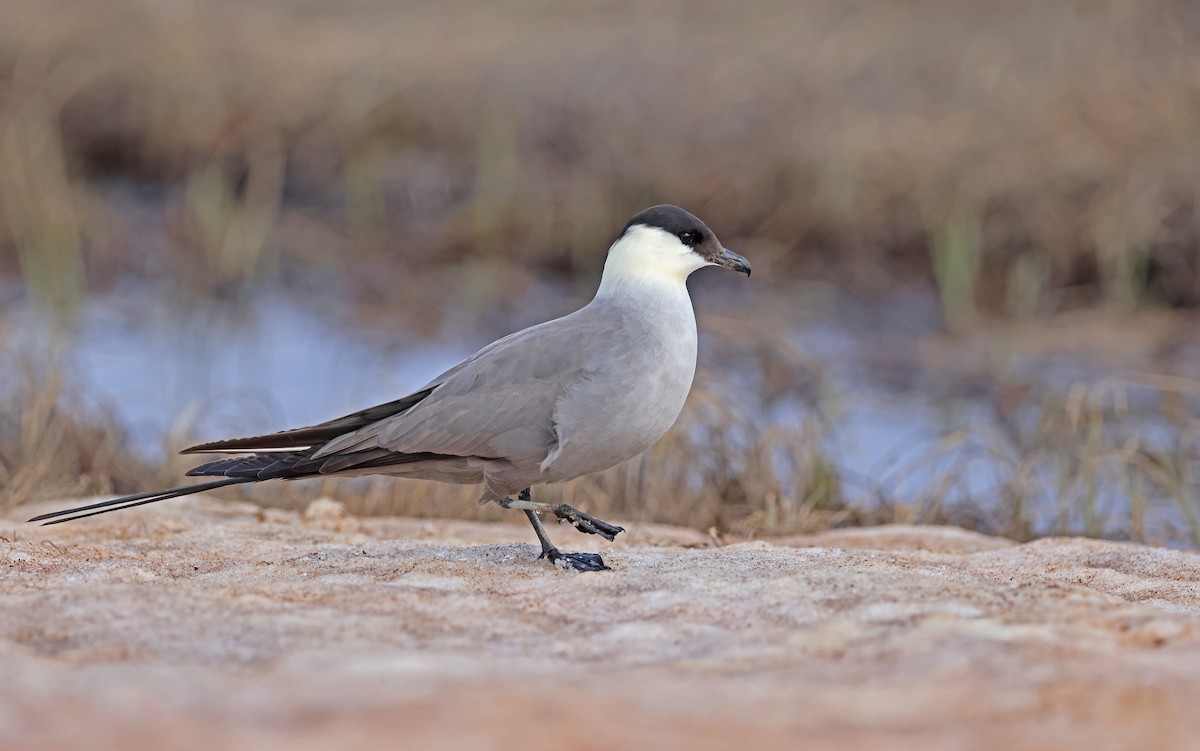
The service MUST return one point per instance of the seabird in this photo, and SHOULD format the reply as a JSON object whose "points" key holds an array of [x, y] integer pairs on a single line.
{"points": [[556, 401]]}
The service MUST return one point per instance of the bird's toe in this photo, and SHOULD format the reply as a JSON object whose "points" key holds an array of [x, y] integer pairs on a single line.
{"points": [[577, 561], [604, 529], [588, 524]]}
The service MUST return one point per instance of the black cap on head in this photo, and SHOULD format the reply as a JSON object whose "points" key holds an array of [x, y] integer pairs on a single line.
{"points": [[667, 217]]}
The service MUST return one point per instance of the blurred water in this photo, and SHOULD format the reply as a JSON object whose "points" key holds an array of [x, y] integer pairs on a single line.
{"points": [[280, 359], [276, 360]]}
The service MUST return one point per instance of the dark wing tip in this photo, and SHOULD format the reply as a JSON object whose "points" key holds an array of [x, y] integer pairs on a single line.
{"points": [[313, 435], [204, 448], [292, 439]]}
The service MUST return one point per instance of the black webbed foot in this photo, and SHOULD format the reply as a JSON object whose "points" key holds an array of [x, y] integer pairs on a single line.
{"points": [[586, 523], [577, 561]]}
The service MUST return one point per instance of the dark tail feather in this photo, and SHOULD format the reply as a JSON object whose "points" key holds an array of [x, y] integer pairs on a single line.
{"points": [[129, 501]]}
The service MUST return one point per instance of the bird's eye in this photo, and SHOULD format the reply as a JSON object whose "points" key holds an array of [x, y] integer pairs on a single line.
{"points": [[689, 238]]}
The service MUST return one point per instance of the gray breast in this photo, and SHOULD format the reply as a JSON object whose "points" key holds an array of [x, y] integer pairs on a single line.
{"points": [[629, 400]]}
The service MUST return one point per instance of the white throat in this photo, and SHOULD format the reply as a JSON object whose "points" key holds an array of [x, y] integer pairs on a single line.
{"points": [[647, 260]]}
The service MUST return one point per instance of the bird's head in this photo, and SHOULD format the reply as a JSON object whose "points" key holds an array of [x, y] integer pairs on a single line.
{"points": [[666, 243]]}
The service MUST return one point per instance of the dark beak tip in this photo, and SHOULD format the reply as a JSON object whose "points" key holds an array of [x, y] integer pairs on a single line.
{"points": [[734, 262]]}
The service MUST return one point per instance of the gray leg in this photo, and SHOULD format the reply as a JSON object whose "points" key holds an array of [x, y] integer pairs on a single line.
{"points": [[577, 561], [581, 521]]}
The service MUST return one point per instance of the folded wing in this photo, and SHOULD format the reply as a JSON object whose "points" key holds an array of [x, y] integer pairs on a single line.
{"points": [[497, 404]]}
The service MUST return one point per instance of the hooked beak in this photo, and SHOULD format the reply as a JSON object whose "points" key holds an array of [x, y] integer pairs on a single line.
{"points": [[730, 260]]}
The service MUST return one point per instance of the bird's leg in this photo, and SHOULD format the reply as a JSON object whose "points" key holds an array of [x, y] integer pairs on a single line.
{"points": [[577, 561], [583, 522]]}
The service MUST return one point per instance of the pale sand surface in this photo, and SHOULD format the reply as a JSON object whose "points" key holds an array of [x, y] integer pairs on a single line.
{"points": [[203, 625]]}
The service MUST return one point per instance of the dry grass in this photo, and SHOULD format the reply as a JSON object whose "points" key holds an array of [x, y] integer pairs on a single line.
{"points": [[54, 446], [1024, 157], [1118, 458], [1084, 462]]}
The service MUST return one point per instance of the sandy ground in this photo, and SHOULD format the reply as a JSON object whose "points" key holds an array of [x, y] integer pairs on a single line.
{"points": [[201, 624]]}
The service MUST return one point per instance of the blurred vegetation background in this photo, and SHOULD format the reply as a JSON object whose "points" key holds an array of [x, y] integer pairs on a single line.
{"points": [[1011, 162]]}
